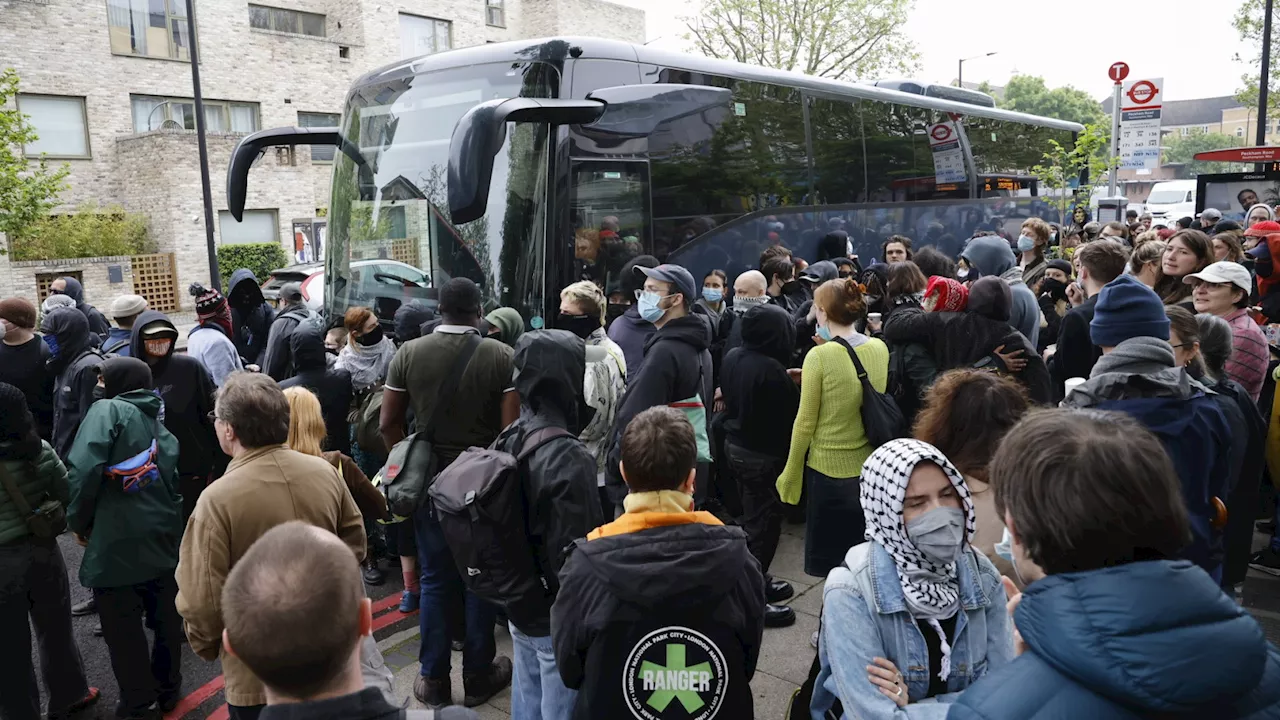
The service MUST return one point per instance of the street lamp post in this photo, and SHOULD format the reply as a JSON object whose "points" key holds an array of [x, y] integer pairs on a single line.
{"points": [[215, 278], [960, 71]]}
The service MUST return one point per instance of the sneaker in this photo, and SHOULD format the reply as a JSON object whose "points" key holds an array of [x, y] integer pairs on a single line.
{"points": [[1267, 560], [78, 705], [457, 645], [433, 693], [88, 607], [169, 699], [408, 601], [150, 712], [479, 687], [813, 640], [97, 629]]}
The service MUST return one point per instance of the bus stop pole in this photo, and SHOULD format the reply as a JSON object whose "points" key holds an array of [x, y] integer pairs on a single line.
{"points": [[1115, 140], [215, 277]]}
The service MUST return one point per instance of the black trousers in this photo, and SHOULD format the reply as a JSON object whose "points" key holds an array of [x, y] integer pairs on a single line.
{"points": [[244, 712], [33, 584], [144, 677], [756, 477]]}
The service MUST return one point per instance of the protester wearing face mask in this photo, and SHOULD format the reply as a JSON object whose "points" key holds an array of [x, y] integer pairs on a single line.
{"points": [[187, 390], [828, 441], [367, 353], [1112, 625], [1053, 300], [914, 613], [23, 359], [1032, 244], [73, 355], [677, 366], [582, 308], [629, 330], [784, 290], [711, 302]]}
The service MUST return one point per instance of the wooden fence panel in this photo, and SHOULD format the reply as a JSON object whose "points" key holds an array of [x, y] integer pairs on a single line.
{"points": [[155, 277]]}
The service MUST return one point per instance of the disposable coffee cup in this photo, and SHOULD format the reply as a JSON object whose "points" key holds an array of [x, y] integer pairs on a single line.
{"points": [[1073, 383], [873, 317]]}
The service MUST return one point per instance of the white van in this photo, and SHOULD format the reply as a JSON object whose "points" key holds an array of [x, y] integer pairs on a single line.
{"points": [[1172, 200]]}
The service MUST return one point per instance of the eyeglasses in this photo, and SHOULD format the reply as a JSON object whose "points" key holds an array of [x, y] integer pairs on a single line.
{"points": [[213, 416]]}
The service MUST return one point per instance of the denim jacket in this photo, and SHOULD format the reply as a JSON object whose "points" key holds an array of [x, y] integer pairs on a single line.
{"points": [[865, 615]]}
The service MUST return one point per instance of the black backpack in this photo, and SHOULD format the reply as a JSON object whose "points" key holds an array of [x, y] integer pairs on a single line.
{"points": [[479, 502]]}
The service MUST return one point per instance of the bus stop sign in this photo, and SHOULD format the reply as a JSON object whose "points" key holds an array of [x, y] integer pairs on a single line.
{"points": [[1118, 72]]}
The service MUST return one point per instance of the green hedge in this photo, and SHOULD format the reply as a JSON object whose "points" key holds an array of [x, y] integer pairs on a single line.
{"points": [[91, 231], [261, 258]]}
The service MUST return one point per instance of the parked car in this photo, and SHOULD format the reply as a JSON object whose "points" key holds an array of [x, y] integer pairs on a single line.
{"points": [[381, 284]]}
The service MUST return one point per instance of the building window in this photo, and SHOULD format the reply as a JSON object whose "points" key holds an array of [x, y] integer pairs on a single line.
{"points": [[423, 35], [1239, 131], [258, 226], [320, 153], [1185, 131], [495, 13], [159, 113], [61, 124], [286, 21], [149, 28]]}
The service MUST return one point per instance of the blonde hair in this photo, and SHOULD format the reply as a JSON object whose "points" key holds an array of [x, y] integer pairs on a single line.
{"points": [[306, 423], [589, 296], [1146, 253]]}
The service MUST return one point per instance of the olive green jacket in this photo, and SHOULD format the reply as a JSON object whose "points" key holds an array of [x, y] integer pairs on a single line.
{"points": [[36, 479]]}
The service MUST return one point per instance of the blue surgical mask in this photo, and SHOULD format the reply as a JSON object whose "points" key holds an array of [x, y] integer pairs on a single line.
{"points": [[712, 294], [52, 342], [648, 307], [824, 332], [938, 534], [1026, 243]]}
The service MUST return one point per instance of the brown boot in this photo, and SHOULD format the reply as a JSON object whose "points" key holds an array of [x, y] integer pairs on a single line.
{"points": [[432, 692], [479, 687]]}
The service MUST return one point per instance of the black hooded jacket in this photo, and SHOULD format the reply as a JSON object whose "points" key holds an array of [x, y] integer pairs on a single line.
{"points": [[188, 393], [677, 366], [251, 315], [629, 599], [98, 324], [559, 478], [760, 399], [805, 329], [330, 385], [74, 362], [277, 359]]}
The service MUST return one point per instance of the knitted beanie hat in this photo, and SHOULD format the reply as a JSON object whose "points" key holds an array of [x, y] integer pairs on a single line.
{"points": [[19, 311], [1127, 309], [952, 296], [208, 302]]}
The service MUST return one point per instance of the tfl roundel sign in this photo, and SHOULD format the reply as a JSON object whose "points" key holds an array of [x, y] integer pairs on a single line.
{"points": [[1142, 92], [1118, 71], [941, 132]]}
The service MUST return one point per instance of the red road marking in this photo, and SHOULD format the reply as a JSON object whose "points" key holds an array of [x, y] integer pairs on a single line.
{"points": [[214, 686], [196, 699]]}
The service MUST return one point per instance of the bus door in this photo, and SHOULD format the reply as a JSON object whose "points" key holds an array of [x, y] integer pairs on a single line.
{"points": [[609, 215]]}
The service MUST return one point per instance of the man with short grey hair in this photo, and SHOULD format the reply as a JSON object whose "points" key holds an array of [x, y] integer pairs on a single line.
{"points": [[1209, 218]]}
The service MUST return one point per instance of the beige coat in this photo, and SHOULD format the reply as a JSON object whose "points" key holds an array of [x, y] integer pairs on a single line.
{"points": [[262, 488], [988, 527]]}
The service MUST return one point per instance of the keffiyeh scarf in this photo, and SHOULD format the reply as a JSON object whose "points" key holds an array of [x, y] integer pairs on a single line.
{"points": [[932, 592]]}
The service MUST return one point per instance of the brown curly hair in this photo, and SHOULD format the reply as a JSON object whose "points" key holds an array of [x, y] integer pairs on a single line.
{"points": [[966, 414]]}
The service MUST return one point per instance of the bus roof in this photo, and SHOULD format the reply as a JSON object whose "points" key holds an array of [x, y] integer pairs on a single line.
{"points": [[558, 49]]}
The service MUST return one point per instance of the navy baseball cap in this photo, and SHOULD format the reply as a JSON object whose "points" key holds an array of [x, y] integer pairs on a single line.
{"points": [[680, 279]]}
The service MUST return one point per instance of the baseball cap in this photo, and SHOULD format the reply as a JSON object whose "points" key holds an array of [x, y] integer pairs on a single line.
{"points": [[680, 279], [1263, 229], [1211, 214], [1223, 271], [291, 292], [127, 305]]}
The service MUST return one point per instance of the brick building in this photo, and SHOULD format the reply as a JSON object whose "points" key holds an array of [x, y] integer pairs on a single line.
{"points": [[107, 84]]}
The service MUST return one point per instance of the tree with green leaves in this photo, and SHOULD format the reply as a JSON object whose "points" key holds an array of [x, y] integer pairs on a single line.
{"points": [[1029, 94], [1059, 171], [843, 39], [1183, 148], [1248, 23], [28, 189]]}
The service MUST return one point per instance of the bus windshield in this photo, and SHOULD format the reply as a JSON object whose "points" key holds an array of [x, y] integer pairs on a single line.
{"points": [[391, 239]]}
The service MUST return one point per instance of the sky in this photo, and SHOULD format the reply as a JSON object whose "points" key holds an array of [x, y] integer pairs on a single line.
{"points": [[1065, 46]]}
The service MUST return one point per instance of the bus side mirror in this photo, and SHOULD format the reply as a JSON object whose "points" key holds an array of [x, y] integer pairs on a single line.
{"points": [[251, 146], [628, 110]]}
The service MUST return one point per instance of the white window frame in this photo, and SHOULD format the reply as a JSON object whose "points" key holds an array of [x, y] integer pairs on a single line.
{"points": [[165, 112], [495, 9], [1239, 131], [224, 216], [435, 23], [337, 118], [169, 18], [298, 16], [84, 115]]}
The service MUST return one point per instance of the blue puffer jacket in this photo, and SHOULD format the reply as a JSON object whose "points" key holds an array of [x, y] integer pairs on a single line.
{"points": [[1143, 640]]}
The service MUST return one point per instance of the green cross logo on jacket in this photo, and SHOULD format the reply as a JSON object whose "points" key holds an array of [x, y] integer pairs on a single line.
{"points": [[675, 664]]}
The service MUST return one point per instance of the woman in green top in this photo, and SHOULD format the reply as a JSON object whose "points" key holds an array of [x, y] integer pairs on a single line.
{"points": [[828, 428]]}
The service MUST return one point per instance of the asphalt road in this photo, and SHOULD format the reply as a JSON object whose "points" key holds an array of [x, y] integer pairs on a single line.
{"points": [[201, 685]]}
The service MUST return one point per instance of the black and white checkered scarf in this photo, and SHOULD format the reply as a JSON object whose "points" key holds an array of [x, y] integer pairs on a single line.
{"points": [[932, 592]]}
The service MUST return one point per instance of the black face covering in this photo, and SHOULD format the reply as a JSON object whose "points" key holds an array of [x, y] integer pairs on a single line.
{"points": [[1055, 289], [99, 392], [615, 311], [790, 286], [371, 338], [580, 325]]}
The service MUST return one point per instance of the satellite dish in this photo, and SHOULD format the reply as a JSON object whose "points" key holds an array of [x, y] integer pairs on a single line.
{"points": [[171, 125]]}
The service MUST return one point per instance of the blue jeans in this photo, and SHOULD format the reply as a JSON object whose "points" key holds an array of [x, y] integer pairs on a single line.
{"points": [[537, 692], [442, 593]]}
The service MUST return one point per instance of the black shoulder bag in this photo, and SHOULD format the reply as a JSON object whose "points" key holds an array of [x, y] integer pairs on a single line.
{"points": [[881, 417]]}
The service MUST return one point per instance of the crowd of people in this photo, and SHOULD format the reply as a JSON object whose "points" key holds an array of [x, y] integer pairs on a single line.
{"points": [[1029, 474]]}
